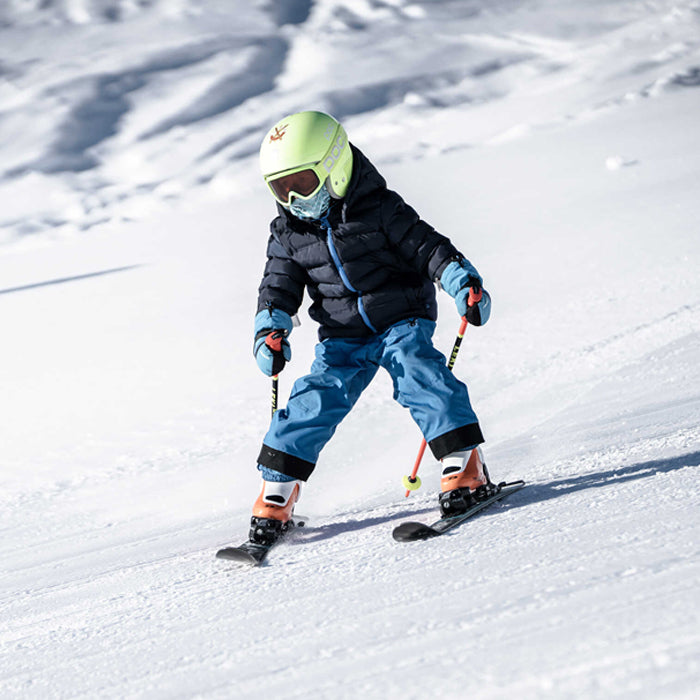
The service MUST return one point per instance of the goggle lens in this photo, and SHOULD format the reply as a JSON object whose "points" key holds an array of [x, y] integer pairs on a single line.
{"points": [[303, 183]]}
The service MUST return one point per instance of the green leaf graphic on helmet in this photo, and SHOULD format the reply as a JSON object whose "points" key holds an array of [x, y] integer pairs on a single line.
{"points": [[302, 152]]}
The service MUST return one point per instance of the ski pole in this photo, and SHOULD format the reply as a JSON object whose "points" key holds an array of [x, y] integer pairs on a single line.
{"points": [[276, 346], [413, 482], [275, 387]]}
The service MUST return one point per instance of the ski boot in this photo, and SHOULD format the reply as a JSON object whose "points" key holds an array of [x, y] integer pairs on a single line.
{"points": [[465, 482], [272, 512]]}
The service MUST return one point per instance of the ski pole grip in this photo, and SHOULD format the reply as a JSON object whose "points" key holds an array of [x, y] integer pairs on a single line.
{"points": [[274, 340], [474, 296]]}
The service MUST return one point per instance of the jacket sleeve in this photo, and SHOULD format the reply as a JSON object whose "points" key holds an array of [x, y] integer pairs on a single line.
{"points": [[417, 241], [283, 281]]}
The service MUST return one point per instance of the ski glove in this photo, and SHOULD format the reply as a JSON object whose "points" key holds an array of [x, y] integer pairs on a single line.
{"points": [[457, 279], [271, 348], [478, 314]]}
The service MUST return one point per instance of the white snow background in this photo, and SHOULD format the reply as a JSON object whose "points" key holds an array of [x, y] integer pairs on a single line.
{"points": [[558, 145]]}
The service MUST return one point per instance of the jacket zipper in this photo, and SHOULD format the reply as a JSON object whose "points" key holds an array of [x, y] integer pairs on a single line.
{"points": [[343, 276]]}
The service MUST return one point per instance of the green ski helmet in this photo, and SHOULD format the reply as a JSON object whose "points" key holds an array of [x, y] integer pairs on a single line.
{"points": [[302, 152]]}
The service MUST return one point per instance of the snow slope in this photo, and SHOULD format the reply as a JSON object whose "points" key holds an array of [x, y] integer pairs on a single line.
{"points": [[556, 143]]}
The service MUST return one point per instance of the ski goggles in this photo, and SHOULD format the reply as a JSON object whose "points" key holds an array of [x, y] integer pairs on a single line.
{"points": [[303, 183]]}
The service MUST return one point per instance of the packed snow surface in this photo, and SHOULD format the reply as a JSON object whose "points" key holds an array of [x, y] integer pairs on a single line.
{"points": [[556, 143]]}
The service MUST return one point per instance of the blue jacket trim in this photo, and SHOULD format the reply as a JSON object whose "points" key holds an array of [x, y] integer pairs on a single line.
{"points": [[344, 277]]}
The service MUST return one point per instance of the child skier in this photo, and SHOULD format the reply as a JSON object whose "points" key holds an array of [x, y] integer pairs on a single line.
{"points": [[369, 264]]}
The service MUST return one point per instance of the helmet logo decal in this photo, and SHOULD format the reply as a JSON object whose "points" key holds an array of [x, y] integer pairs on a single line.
{"points": [[280, 131], [332, 157]]}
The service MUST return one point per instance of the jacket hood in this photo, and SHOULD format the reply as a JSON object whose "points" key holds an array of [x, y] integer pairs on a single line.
{"points": [[365, 178]]}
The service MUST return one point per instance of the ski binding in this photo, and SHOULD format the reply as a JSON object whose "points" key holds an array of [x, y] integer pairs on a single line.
{"points": [[411, 531], [254, 553]]}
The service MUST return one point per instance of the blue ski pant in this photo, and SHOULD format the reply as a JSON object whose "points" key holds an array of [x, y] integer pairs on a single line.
{"points": [[342, 370]]}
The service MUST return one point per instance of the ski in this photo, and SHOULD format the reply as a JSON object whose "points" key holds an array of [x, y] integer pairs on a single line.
{"points": [[411, 531], [253, 553], [249, 553]]}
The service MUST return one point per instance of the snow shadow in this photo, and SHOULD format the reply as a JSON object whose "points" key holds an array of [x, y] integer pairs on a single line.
{"points": [[691, 78], [289, 11], [433, 89], [536, 493], [315, 534], [97, 116], [64, 280], [258, 77], [532, 493]]}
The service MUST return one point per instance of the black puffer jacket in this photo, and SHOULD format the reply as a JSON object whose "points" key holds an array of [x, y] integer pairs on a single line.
{"points": [[370, 264]]}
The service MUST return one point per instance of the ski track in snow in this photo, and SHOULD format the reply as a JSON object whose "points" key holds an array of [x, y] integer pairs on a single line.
{"points": [[564, 139], [142, 598], [211, 86]]}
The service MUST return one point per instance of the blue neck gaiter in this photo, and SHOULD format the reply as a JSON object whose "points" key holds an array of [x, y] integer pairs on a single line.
{"points": [[312, 208]]}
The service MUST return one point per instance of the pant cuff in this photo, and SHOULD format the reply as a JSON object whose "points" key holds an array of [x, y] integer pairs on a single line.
{"points": [[285, 463], [455, 440]]}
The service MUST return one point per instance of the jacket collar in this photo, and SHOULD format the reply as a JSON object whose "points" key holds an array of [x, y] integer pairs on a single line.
{"points": [[365, 181]]}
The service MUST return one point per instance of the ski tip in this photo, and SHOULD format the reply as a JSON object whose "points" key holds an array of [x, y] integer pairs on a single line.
{"points": [[410, 531], [239, 555]]}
